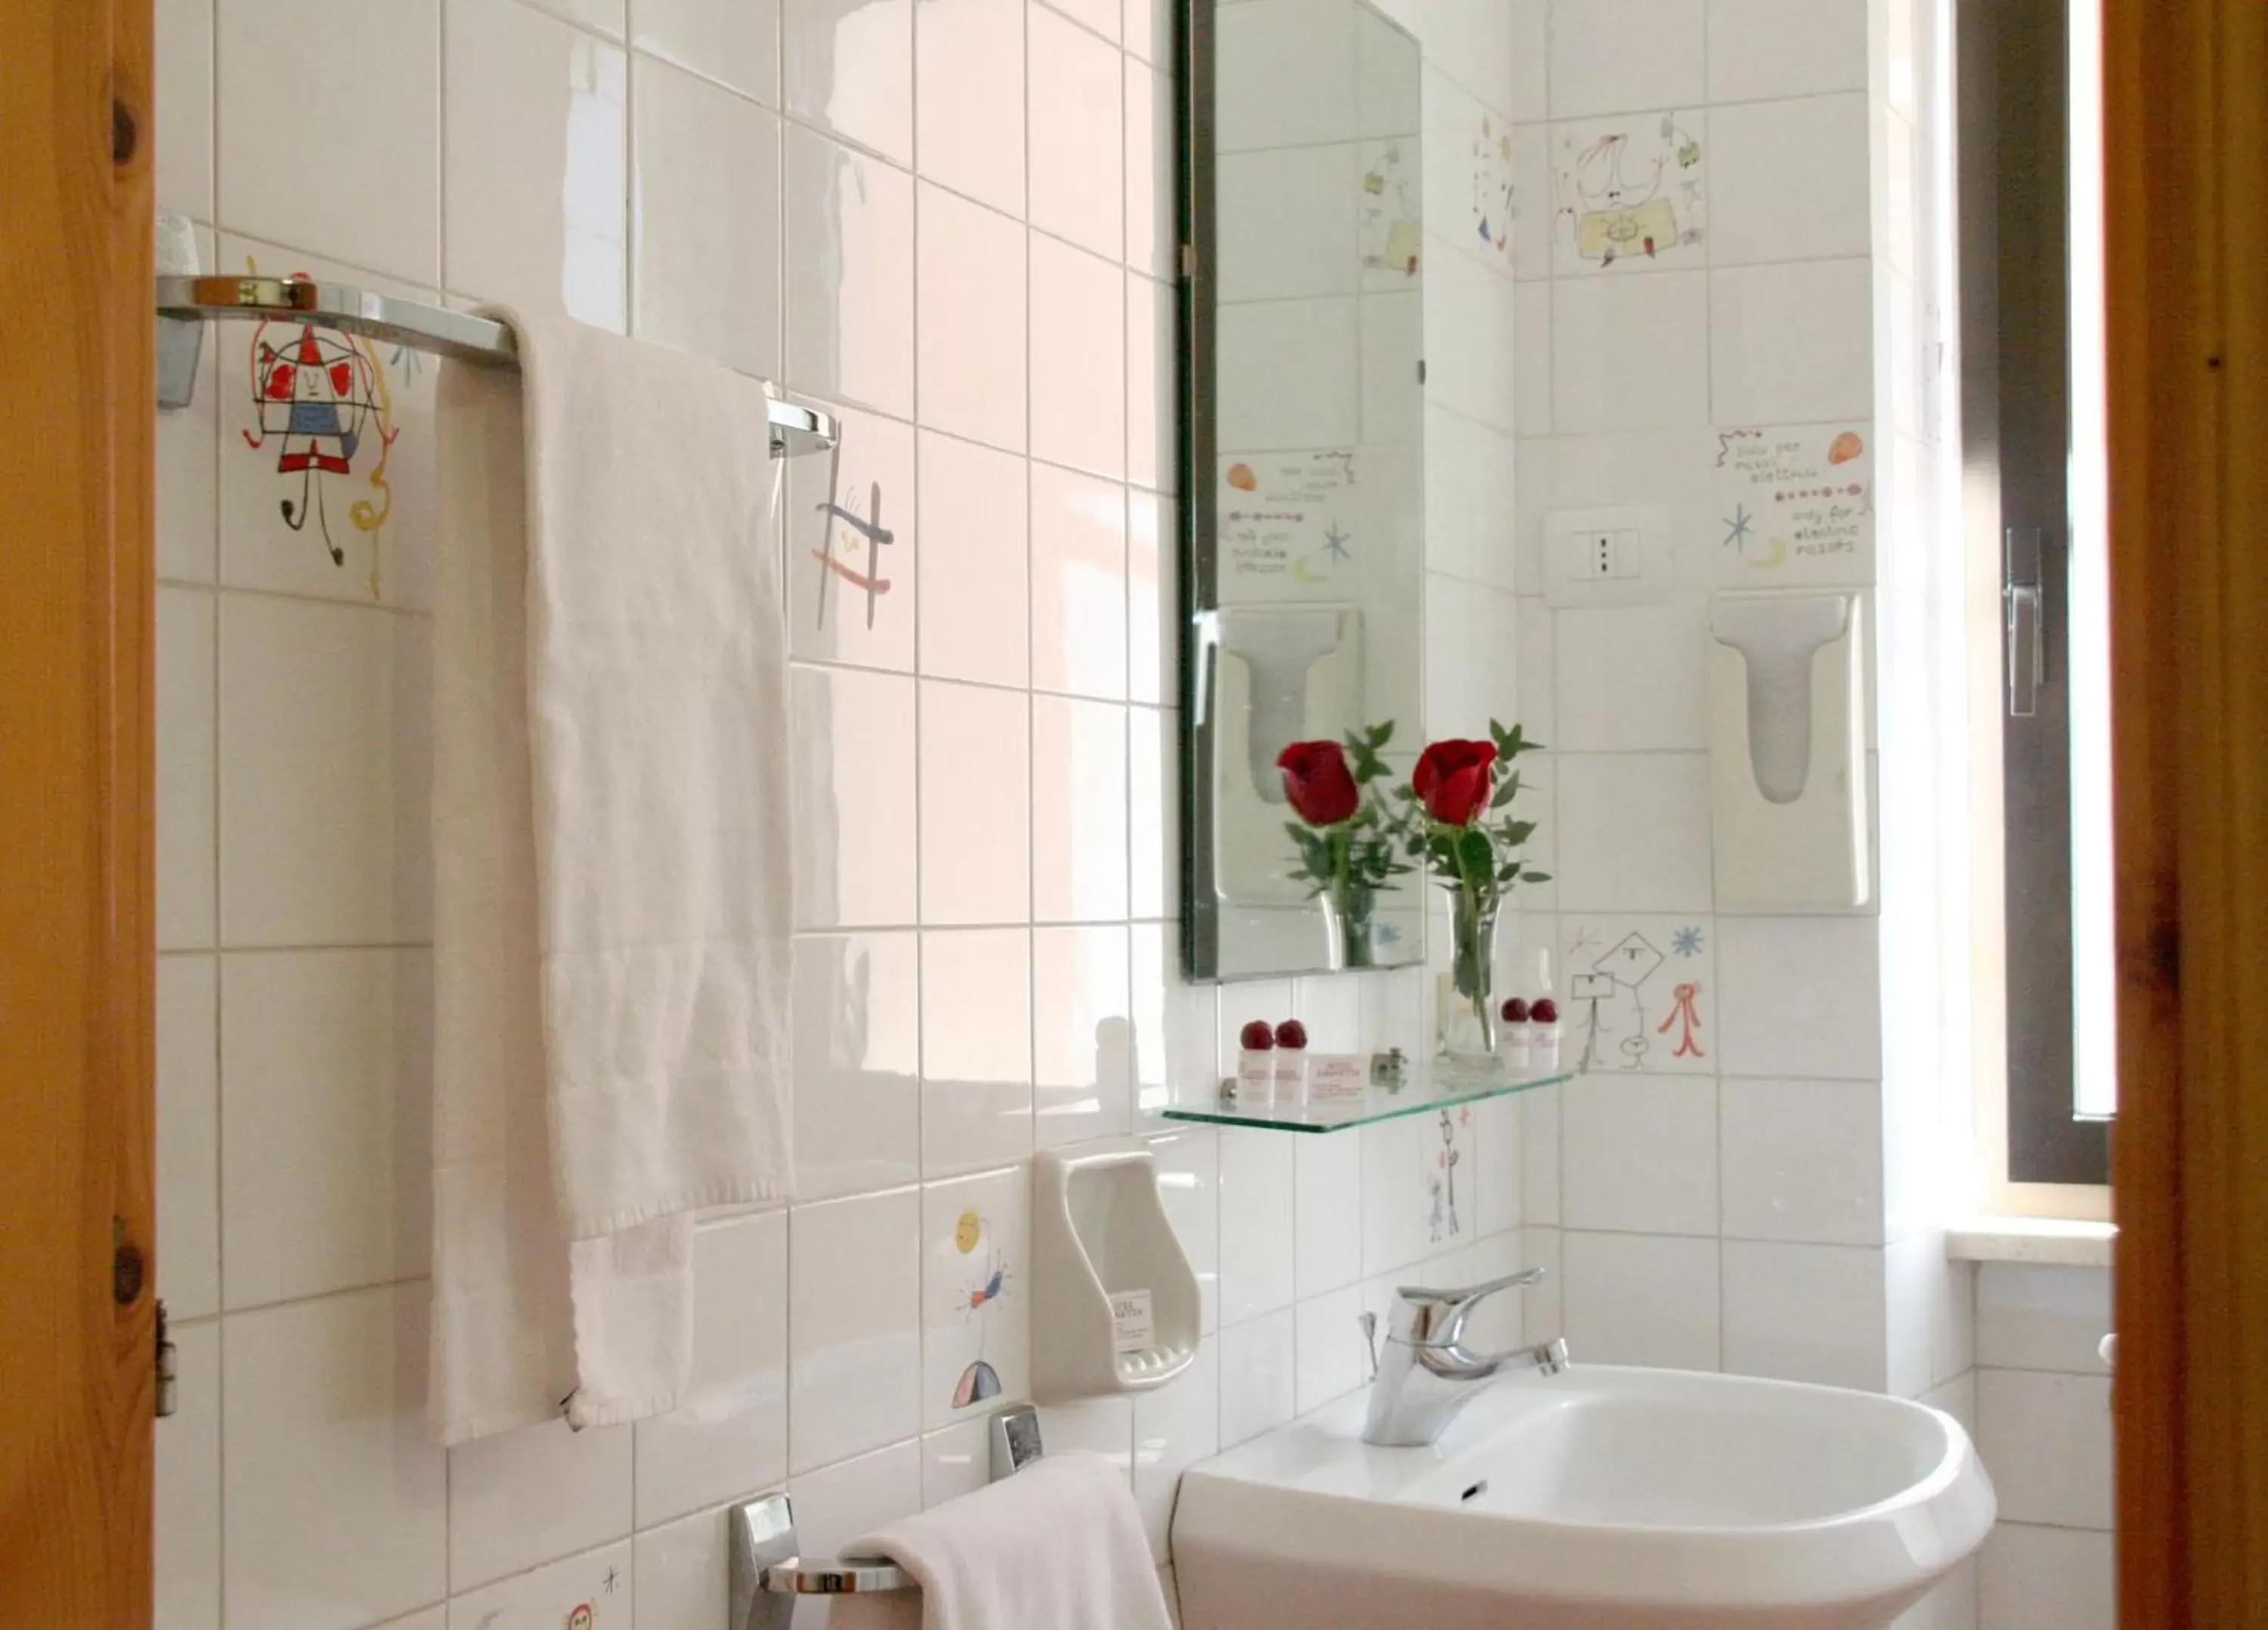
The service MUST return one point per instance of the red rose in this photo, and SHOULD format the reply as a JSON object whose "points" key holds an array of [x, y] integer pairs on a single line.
{"points": [[1454, 779], [1318, 783]]}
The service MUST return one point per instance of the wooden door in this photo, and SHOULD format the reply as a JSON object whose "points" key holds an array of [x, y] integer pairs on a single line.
{"points": [[2186, 115], [76, 930]]}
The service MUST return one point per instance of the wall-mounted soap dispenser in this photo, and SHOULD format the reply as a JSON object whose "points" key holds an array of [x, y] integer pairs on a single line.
{"points": [[1114, 1300], [1787, 749]]}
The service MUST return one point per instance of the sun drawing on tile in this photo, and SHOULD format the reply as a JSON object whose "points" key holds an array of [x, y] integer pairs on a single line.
{"points": [[979, 1380], [323, 397]]}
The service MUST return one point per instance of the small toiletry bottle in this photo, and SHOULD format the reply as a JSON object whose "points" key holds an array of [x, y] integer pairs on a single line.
{"points": [[1543, 1034], [1513, 1037], [1291, 1063], [1256, 1064]]}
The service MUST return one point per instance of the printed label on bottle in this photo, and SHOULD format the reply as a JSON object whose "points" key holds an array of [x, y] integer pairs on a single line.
{"points": [[1132, 1330]]}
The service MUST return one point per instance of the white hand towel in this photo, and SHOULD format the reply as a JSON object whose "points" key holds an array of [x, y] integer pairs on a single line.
{"points": [[1057, 1546], [611, 843]]}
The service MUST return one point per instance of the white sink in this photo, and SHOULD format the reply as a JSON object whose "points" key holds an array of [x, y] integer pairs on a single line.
{"points": [[1598, 1499]]}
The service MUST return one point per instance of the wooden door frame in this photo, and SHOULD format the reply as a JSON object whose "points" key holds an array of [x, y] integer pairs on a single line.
{"points": [[2186, 118], [77, 931]]}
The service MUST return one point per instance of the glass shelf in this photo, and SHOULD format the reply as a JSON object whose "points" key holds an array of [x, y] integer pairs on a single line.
{"points": [[1431, 1085]]}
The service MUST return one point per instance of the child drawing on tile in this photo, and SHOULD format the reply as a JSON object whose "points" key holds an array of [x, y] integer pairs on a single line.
{"points": [[980, 1381]]}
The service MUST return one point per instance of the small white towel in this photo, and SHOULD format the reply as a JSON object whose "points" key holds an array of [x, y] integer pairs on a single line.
{"points": [[611, 853], [1057, 1546]]}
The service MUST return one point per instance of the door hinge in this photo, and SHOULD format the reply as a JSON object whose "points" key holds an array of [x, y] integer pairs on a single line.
{"points": [[166, 1400]]}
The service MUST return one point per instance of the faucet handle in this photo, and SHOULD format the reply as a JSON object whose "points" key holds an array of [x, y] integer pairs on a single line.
{"points": [[1423, 1296], [1369, 1323]]}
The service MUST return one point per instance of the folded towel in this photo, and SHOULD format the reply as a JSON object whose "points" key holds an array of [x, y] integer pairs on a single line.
{"points": [[611, 855], [1057, 1546]]}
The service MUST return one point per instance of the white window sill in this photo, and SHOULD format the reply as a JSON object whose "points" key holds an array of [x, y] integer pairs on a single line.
{"points": [[2044, 1241]]}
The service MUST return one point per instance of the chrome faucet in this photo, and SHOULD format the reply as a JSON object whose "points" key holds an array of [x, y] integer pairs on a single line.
{"points": [[1425, 1373]]}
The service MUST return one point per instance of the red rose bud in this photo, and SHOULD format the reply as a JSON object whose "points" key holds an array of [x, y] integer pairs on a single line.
{"points": [[1515, 1010], [1545, 1011], [1257, 1036], [1291, 1033], [1318, 783], [1454, 778]]}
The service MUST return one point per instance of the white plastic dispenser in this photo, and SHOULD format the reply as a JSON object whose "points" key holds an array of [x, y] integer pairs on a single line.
{"points": [[1114, 1300], [1787, 751]]}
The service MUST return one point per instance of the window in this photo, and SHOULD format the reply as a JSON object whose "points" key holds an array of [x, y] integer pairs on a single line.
{"points": [[2030, 142]]}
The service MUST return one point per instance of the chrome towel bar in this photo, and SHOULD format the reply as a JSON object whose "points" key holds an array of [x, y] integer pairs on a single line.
{"points": [[795, 429]]}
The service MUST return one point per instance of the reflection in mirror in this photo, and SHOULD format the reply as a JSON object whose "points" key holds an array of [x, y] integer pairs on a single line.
{"points": [[1305, 462]]}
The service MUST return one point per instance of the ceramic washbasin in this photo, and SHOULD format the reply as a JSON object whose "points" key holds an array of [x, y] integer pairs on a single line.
{"points": [[1598, 1499]]}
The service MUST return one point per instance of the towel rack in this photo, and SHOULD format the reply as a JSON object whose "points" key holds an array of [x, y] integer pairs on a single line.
{"points": [[768, 1575], [185, 301]]}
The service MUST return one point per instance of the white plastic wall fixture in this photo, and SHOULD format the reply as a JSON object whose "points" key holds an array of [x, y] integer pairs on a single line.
{"points": [[1787, 749], [1283, 674], [1115, 1302]]}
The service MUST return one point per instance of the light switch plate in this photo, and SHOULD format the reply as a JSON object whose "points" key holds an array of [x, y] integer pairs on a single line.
{"points": [[1608, 556]]}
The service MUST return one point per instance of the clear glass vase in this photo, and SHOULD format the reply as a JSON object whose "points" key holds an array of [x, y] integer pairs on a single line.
{"points": [[1348, 928], [1469, 1027]]}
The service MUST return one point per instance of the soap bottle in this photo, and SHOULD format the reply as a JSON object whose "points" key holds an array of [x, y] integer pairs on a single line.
{"points": [[1291, 1063], [1256, 1065]]}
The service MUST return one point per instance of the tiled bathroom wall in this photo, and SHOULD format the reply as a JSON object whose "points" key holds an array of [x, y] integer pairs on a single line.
{"points": [[950, 220]]}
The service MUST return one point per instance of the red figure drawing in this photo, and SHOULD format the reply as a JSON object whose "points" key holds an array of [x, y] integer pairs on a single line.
{"points": [[1684, 1014]]}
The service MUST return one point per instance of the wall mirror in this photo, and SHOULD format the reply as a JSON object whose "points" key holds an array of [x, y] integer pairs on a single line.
{"points": [[1303, 463]]}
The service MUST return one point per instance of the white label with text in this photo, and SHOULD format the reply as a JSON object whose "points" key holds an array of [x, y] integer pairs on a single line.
{"points": [[1132, 1330], [1338, 1078]]}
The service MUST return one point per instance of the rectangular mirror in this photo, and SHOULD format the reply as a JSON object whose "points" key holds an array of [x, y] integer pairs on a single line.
{"points": [[1303, 463]]}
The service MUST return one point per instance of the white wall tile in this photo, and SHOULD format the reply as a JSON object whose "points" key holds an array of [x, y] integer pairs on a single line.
{"points": [[684, 1570], [1803, 1160], [1540, 1115], [521, 1499], [838, 509], [1152, 141], [333, 1495], [1786, 48], [1498, 1147], [977, 1296], [1327, 1227], [2047, 1440], [1259, 1390], [1630, 353], [2036, 1317], [546, 232], [969, 316], [1625, 56], [976, 799], [368, 192], [1078, 359], [597, 1580], [1082, 1034], [1288, 375], [854, 1361], [2046, 1579], [977, 1048], [969, 68], [858, 1063], [735, 42], [184, 96], [189, 1134], [1287, 222], [729, 1437], [1792, 344], [956, 1461], [1639, 1299], [1153, 818], [1258, 1252], [706, 259], [1633, 678], [1332, 1359], [976, 563], [1075, 82], [850, 280], [1800, 997], [1788, 180], [188, 489], [855, 771], [1153, 335], [1636, 1154], [1805, 1313], [848, 68], [187, 1492], [326, 1121], [1079, 567], [1078, 810], [188, 749], [1634, 831]]}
